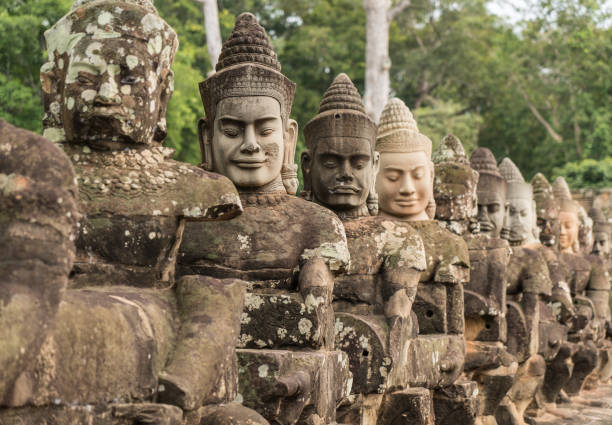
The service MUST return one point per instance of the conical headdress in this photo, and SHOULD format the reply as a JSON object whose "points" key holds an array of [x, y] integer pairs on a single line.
{"points": [[455, 181], [543, 194], [490, 182], [600, 222], [247, 66], [564, 196], [450, 150], [515, 183], [398, 132], [341, 114]]}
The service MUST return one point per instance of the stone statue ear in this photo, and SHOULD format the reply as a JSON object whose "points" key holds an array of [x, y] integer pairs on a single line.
{"points": [[289, 168], [306, 164], [167, 87], [372, 199], [205, 145]]}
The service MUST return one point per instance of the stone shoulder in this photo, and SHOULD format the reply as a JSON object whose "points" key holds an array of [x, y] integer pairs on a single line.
{"points": [[148, 183]]}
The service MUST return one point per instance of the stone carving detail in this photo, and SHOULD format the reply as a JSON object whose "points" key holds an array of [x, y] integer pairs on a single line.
{"points": [[287, 250], [373, 299], [405, 189]]}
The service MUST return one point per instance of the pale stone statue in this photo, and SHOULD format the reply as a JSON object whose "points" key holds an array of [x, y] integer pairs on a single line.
{"points": [[578, 273], [457, 184], [405, 189], [373, 299], [286, 249], [528, 285]]}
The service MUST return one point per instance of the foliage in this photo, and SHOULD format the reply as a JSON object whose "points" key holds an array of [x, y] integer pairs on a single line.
{"points": [[538, 92], [587, 173]]}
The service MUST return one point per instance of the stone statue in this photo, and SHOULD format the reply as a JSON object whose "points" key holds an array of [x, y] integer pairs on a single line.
{"points": [[528, 286], [126, 333], [405, 189], [457, 184], [286, 249], [373, 299], [488, 361], [580, 276]]}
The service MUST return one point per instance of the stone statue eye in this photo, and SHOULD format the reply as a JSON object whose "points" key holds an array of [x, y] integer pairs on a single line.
{"points": [[85, 78], [129, 80], [267, 131]]}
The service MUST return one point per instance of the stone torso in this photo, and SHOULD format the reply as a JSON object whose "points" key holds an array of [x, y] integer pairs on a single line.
{"points": [[132, 202], [527, 272], [266, 244], [375, 244]]}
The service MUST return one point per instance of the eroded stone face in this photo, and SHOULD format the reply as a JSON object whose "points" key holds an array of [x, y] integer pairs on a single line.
{"points": [[601, 245], [491, 208], [342, 172], [404, 184], [111, 93], [247, 141], [549, 226], [519, 220]]}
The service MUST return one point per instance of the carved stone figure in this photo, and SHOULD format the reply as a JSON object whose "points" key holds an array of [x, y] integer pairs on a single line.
{"points": [[580, 276], [528, 285], [487, 359], [126, 333], [286, 249], [405, 189], [373, 299]]}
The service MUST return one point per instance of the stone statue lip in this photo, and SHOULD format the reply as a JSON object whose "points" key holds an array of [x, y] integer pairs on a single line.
{"points": [[249, 163], [485, 226], [345, 188], [406, 202]]}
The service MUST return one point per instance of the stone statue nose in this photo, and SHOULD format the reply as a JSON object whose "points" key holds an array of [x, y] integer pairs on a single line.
{"points": [[108, 93], [249, 144], [407, 187]]}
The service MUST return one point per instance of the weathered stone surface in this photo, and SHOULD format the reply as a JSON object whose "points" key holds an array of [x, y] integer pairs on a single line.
{"points": [[287, 386], [115, 414], [412, 406], [435, 361], [38, 215], [457, 404]]}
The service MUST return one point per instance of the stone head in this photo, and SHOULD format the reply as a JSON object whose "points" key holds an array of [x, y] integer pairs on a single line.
{"points": [[405, 179], [601, 233], [491, 192], [568, 216], [585, 231], [339, 164], [107, 81], [247, 134], [455, 185], [547, 210], [520, 215]]}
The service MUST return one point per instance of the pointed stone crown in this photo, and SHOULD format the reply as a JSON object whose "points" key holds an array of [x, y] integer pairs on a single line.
{"points": [[490, 181], [564, 196], [398, 131], [515, 183], [600, 222], [450, 150], [543, 193], [341, 114], [247, 66]]}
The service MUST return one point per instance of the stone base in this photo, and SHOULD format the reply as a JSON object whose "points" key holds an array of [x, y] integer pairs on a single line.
{"points": [[287, 386], [457, 404]]}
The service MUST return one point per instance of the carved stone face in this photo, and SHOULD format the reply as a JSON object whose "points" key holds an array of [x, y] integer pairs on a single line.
{"points": [[114, 93], [549, 225], [519, 220], [569, 231], [342, 172], [601, 245], [491, 208], [248, 140], [404, 184]]}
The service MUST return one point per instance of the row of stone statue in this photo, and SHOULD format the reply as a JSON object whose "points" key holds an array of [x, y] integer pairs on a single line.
{"points": [[140, 290]]}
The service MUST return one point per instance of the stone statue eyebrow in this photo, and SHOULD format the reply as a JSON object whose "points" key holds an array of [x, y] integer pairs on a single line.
{"points": [[89, 66], [397, 168], [232, 118]]}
